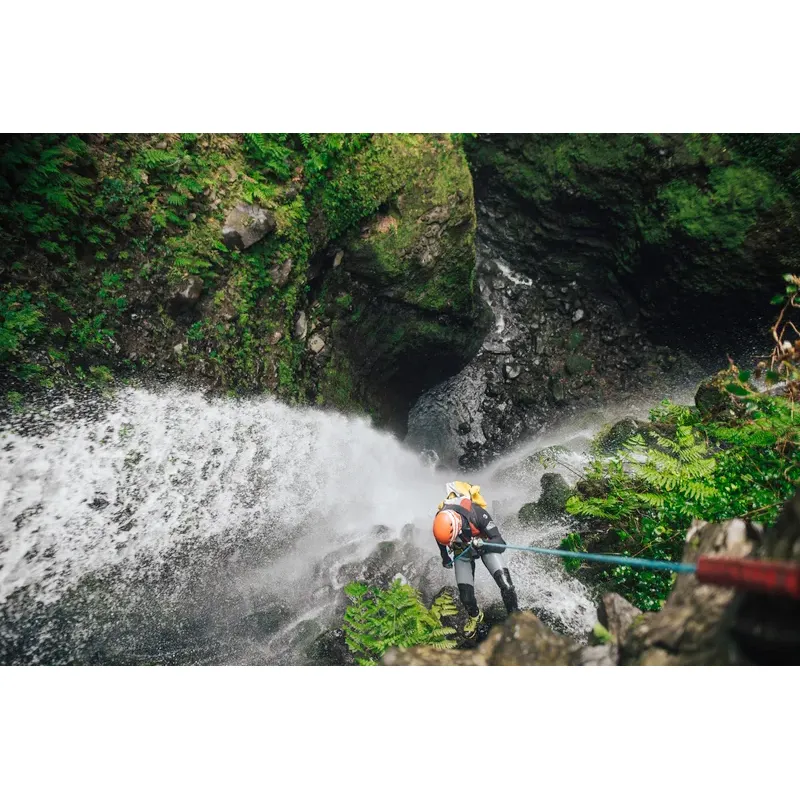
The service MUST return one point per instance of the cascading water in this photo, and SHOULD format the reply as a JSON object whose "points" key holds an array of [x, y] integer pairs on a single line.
{"points": [[164, 527]]}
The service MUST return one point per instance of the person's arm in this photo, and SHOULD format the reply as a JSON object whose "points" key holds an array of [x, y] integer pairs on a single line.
{"points": [[493, 541], [446, 560]]}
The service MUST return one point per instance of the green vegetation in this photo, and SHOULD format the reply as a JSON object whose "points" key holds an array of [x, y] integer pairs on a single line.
{"points": [[744, 461], [97, 232], [378, 619], [708, 213]]}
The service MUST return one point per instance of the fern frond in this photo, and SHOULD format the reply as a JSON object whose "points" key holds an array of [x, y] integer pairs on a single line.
{"points": [[379, 619]]}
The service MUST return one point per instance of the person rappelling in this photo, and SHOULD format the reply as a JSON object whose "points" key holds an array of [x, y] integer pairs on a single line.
{"points": [[464, 526]]}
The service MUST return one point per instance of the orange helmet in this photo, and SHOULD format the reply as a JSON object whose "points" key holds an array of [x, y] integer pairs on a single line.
{"points": [[446, 526]]}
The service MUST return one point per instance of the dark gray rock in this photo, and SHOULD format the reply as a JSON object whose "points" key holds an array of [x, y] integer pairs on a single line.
{"points": [[713, 400], [611, 440], [330, 649], [497, 348], [186, 294], [558, 390], [280, 273], [616, 615], [301, 326]]}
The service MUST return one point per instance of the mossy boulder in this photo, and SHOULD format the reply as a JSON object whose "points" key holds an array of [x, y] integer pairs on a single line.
{"points": [[576, 364], [611, 438], [410, 273], [552, 502], [712, 399], [419, 249]]}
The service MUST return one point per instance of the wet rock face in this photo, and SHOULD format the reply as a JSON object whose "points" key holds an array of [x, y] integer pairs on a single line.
{"points": [[601, 215], [541, 359]]}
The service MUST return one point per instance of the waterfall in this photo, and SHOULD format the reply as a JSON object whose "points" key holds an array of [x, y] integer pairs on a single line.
{"points": [[164, 526]]}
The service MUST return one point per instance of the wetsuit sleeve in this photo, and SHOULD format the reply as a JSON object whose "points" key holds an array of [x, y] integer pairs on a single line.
{"points": [[488, 528], [443, 551]]}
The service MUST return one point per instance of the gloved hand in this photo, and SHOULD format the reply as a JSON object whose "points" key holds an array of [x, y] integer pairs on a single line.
{"points": [[476, 542], [447, 563]]}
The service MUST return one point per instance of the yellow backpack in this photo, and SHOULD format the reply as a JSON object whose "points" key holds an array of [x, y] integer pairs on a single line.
{"points": [[464, 489]]}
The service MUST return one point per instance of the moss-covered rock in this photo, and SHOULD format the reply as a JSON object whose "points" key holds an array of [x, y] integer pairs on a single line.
{"points": [[712, 399], [552, 502], [611, 438], [257, 220], [575, 364], [680, 220], [406, 281]]}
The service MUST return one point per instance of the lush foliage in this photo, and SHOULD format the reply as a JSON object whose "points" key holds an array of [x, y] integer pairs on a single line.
{"points": [[710, 213], [97, 231], [648, 495], [378, 619], [743, 463]]}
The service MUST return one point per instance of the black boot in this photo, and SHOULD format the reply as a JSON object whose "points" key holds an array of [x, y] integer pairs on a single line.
{"points": [[467, 594], [509, 594]]}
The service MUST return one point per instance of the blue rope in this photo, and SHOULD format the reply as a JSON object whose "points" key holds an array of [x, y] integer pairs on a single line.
{"points": [[463, 553], [625, 561]]}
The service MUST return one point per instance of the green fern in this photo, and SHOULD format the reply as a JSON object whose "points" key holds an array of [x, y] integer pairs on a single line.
{"points": [[444, 606], [20, 321], [269, 151], [154, 159], [378, 619]]}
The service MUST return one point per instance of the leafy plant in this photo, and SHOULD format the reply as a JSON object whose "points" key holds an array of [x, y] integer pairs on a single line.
{"points": [[645, 498], [271, 152], [378, 619], [20, 321]]}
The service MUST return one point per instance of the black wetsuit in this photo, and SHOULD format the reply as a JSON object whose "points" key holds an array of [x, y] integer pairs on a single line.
{"points": [[476, 523]]}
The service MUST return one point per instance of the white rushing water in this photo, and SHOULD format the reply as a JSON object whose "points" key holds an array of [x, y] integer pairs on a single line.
{"points": [[161, 466], [265, 495]]}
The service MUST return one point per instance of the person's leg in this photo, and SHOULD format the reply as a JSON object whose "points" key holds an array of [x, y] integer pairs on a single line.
{"points": [[496, 565], [465, 578]]}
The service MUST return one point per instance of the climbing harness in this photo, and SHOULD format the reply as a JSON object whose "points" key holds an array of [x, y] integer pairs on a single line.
{"points": [[464, 552], [766, 577]]}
